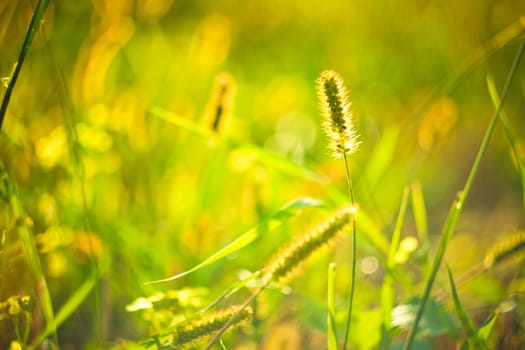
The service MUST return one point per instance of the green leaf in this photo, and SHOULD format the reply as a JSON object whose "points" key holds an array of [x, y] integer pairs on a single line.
{"points": [[248, 237]]}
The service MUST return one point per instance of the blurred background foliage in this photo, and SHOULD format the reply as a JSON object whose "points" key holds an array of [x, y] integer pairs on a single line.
{"points": [[113, 189]]}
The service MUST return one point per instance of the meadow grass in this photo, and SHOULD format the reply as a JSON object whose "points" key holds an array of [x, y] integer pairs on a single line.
{"points": [[119, 189], [457, 206]]}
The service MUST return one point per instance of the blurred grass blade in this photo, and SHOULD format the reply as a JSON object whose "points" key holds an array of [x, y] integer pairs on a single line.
{"points": [[222, 345], [508, 131], [331, 324], [387, 290], [284, 165], [420, 217], [466, 322], [457, 206], [366, 225], [485, 330], [181, 122], [232, 290], [29, 247], [382, 157], [38, 15], [501, 39], [268, 225], [67, 309], [512, 32]]}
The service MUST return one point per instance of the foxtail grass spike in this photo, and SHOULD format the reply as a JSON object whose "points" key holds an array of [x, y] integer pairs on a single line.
{"points": [[337, 115], [303, 247], [506, 249], [188, 335], [219, 109], [343, 139], [293, 255]]}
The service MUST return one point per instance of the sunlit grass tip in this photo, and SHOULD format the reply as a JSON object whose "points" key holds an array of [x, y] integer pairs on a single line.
{"points": [[289, 258], [338, 123]]}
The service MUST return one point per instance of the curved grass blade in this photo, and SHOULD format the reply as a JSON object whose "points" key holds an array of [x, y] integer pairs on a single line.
{"points": [[67, 309], [366, 225], [181, 122], [457, 205], [282, 164], [232, 290], [420, 217], [466, 322], [501, 39], [485, 330], [267, 225], [382, 157], [508, 131], [29, 247], [387, 290], [38, 15]]}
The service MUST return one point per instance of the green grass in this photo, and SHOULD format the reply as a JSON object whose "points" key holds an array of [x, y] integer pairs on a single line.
{"points": [[157, 155]]}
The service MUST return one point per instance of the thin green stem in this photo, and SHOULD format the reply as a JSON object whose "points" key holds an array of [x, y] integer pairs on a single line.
{"points": [[232, 319], [348, 180], [354, 252], [332, 332], [38, 14], [457, 206]]}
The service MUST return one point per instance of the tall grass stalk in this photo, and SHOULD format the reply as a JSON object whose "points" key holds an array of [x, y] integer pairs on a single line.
{"points": [[73, 143], [36, 19], [354, 254], [457, 206], [387, 291], [510, 135], [466, 321], [343, 139], [331, 325], [21, 225]]}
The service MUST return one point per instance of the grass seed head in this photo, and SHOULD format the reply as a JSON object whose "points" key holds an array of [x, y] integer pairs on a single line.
{"points": [[219, 110], [337, 116], [506, 249], [188, 335], [305, 245]]}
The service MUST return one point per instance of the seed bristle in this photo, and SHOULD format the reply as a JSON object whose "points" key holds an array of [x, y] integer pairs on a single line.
{"points": [[335, 106], [506, 249], [306, 244]]}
